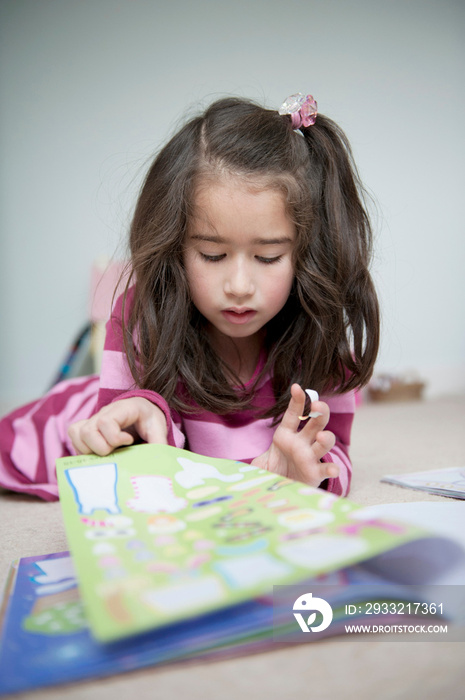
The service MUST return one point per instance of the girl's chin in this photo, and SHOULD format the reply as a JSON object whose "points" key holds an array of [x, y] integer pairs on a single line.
{"points": [[235, 333]]}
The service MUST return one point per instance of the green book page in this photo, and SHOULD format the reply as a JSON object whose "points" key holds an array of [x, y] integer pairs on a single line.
{"points": [[159, 534]]}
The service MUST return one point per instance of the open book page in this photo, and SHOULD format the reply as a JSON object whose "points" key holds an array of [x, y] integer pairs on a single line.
{"points": [[159, 535], [443, 557]]}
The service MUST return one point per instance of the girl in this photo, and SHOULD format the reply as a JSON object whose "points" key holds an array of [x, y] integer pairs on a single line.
{"points": [[249, 282]]}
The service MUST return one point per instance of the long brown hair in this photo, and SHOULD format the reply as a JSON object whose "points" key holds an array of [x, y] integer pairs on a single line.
{"points": [[326, 337]]}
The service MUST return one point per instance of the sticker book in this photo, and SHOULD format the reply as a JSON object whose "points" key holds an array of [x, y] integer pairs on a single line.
{"points": [[159, 535], [174, 556]]}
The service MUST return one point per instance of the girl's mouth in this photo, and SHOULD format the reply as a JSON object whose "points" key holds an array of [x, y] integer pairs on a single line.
{"points": [[238, 316]]}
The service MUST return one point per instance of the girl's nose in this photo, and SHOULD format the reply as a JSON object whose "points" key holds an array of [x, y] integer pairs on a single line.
{"points": [[239, 281]]}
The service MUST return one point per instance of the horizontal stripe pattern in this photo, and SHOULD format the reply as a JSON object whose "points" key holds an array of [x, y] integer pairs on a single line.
{"points": [[34, 436]]}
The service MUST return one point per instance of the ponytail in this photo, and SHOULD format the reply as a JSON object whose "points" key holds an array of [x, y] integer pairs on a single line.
{"points": [[339, 256]]}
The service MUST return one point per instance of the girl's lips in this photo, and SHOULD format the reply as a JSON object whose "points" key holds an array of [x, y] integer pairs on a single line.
{"points": [[238, 317]]}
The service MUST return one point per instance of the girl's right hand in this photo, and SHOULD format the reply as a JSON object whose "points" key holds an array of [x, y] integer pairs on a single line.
{"points": [[106, 430]]}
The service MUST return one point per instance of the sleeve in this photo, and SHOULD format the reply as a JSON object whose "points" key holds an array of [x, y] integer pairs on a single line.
{"points": [[116, 380], [342, 408]]}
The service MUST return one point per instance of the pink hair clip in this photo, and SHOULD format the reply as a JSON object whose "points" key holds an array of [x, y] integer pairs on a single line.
{"points": [[302, 109]]}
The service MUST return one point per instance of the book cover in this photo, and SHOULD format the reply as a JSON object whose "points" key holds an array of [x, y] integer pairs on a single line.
{"points": [[45, 639]]}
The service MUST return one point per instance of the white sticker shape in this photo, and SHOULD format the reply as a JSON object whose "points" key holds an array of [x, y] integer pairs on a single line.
{"points": [[94, 487], [320, 551], [195, 473], [154, 494], [251, 570], [185, 596], [313, 396]]}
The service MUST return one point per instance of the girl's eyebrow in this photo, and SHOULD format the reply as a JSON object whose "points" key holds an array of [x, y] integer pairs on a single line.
{"points": [[256, 241]]}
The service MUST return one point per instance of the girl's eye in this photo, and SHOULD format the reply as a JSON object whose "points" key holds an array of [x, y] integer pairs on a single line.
{"points": [[212, 258], [269, 261], [260, 258]]}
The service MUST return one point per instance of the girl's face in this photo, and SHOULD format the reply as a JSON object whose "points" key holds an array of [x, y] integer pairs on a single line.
{"points": [[238, 257]]}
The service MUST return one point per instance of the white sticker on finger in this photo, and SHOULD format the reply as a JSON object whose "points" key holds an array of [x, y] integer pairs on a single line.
{"points": [[313, 396]]}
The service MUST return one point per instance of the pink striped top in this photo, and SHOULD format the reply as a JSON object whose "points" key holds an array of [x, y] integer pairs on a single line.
{"points": [[32, 437], [238, 435]]}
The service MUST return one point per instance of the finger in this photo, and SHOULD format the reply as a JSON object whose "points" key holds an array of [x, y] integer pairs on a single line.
{"points": [[97, 437], [291, 418], [151, 426], [324, 442], [315, 425], [329, 471], [151, 431], [94, 443], [147, 420], [87, 446], [111, 431], [75, 437]]}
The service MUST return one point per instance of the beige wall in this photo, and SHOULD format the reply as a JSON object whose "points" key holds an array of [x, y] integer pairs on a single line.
{"points": [[90, 88]]}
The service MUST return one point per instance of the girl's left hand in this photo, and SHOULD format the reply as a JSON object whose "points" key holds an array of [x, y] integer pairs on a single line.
{"points": [[297, 455]]}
